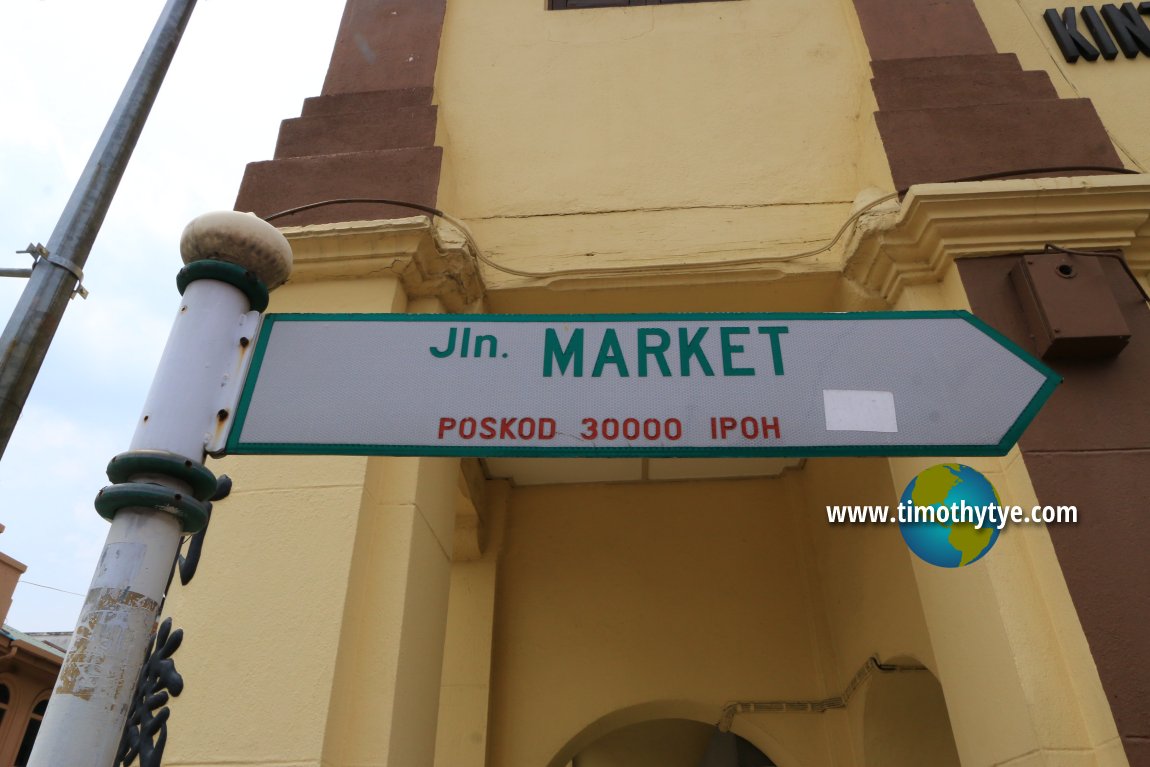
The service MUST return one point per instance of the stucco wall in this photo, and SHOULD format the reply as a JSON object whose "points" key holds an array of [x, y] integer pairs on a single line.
{"points": [[651, 135], [621, 604], [652, 132]]}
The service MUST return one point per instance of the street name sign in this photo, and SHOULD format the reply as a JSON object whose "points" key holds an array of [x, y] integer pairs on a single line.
{"points": [[654, 385]]}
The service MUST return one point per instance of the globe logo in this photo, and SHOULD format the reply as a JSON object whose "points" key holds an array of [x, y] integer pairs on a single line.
{"points": [[937, 530]]}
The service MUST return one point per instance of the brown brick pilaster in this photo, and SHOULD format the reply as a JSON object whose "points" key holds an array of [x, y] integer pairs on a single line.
{"points": [[951, 106], [1090, 447], [372, 131]]}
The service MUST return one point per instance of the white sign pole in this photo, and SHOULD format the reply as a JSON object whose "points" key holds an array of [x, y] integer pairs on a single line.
{"points": [[233, 259]]}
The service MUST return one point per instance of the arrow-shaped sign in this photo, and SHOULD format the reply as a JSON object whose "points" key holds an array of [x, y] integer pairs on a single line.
{"points": [[660, 385]]}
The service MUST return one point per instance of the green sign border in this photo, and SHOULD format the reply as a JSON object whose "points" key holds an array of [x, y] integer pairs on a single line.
{"points": [[235, 447]]}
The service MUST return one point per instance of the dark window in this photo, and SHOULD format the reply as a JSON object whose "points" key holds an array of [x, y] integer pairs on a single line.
{"points": [[559, 5], [3, 701], [30, 733]]}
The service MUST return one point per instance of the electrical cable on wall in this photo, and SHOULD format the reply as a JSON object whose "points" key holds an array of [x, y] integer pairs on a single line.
{"points": [[815, 705], [685, 267]]}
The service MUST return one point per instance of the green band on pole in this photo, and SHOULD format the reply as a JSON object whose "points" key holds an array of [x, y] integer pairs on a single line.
{"points": [[123, 467], [193, 515], [232, 274]]}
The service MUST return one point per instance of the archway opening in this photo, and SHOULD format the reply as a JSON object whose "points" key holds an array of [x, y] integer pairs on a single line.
{"points": [[670, 743]]}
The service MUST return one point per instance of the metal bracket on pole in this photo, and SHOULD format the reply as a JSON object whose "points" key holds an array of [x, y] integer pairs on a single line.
{"points": [[229, 393], [40, 253]]}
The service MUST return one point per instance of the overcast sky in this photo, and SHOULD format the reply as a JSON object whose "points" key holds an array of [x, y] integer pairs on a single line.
{"points": [[243, 66]]}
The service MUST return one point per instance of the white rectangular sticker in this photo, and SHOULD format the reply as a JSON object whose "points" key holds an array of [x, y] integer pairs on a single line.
{"points": [[859, 410]]}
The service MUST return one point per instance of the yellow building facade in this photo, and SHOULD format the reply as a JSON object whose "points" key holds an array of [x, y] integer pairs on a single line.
{"points": [[698, 157]]}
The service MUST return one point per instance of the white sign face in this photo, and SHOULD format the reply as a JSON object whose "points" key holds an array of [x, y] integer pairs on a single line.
{"points": [[919, 383]]}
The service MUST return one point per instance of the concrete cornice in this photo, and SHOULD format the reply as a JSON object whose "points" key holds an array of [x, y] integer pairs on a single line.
{"points": [[431, 263], [937, 223]]}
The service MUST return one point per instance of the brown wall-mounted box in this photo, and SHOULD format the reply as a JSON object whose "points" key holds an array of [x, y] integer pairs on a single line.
{"points": [[1071, 311]]}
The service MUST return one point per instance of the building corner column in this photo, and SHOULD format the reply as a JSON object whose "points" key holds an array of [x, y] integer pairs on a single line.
{"points": [[385, 698], [1003, 630], [466, 689]]}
